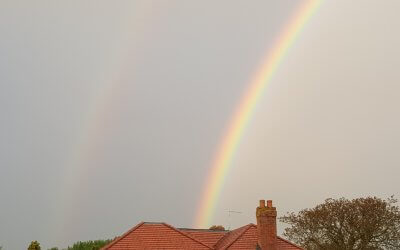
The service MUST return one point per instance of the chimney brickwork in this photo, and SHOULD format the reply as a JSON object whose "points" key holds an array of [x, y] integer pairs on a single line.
{"points": [[266, 226]]}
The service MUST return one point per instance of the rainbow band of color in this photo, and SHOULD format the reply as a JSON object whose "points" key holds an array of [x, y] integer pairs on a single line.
{"points": [[245, 110]]}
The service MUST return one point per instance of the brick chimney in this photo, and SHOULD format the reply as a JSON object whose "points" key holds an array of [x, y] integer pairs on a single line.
{"points": [[266, 226]]}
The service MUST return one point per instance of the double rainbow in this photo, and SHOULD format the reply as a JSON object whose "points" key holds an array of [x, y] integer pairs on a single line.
{"points": [[245, 110]]}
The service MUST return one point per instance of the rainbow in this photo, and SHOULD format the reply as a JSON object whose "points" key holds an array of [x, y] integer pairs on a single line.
{"points": [[245, 110], [94, 127]]}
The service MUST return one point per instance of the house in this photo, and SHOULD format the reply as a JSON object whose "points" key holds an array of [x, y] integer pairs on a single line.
{"points": [[148, 235]]}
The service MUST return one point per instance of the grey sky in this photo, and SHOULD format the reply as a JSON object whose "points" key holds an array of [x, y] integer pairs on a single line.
{"points": [[111, 112]]}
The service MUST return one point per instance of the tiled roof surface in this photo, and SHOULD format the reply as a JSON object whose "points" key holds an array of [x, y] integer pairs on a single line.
{"points": [[231, 237], [163, 236], [155, 236], [287, 245], [208, 237], [247, 239]]}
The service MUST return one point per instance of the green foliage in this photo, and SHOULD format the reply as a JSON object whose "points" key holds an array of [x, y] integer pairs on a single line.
{"points": [[34, 245], [53, 248], [217, 228], [89, 245], [363, 223]]}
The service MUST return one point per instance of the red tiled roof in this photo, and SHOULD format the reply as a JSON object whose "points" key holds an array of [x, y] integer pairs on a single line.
{"points": [[155, 236], [246, 238], [208, 237], [163, 236], [231, 237]]}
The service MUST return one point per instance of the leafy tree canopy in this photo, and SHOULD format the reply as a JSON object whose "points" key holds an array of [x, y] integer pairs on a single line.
{"points": [[363, 223], [34, 245], [89, 245], [217, 227]]}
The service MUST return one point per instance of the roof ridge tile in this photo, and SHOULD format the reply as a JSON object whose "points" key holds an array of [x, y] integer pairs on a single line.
{"points": [[185, 234], [241, 230], [245, 230], [123, 236], [291, 243]]}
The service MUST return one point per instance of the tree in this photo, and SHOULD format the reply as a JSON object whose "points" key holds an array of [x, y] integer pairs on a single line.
{"points": [[217, 228], [89, 245], [363, 223], [34, 245]]}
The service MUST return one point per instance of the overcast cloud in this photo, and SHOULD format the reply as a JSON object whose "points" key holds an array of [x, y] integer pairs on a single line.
{"points": [[111, 112]]}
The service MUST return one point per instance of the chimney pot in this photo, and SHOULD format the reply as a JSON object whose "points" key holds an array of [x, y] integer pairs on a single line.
{"points": [[262, 203], [269, 203]]}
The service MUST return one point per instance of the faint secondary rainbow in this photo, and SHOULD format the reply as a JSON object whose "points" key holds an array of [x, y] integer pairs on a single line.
{"points": [[245, 110], [76, 175]]}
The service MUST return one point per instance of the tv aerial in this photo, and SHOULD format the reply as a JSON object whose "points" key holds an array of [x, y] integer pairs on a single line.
{"points": [[230, 212]]}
